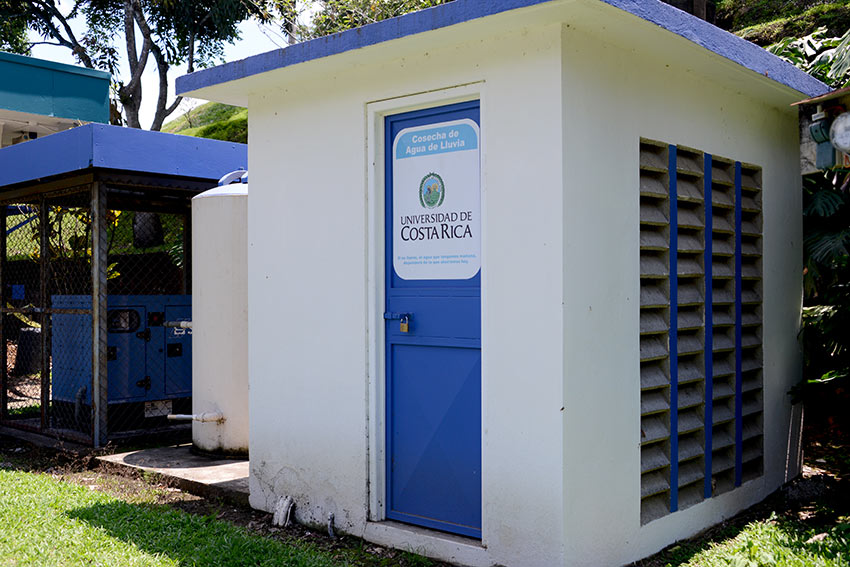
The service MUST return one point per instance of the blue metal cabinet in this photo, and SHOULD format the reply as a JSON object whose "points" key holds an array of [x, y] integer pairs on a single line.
{"points": [[146, 361]]}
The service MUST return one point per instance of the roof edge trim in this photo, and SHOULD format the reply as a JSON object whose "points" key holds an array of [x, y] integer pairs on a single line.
{"points": [[685, 25]]}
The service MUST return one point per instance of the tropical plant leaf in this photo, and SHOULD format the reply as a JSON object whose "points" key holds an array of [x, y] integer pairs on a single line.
{"points": [[824, 246], [824, 203]]}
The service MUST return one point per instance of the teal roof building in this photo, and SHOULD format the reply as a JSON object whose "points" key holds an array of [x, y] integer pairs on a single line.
{"points": [[39, 97]]}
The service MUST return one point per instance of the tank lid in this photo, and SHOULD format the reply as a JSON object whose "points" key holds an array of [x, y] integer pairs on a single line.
{"points": [[232, 190]]}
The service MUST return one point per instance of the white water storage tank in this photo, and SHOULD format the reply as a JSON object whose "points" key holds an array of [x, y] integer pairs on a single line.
{"points": [[220, 320]]}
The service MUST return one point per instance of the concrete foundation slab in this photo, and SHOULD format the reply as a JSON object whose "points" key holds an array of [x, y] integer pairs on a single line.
{"points": [[205, 476]]}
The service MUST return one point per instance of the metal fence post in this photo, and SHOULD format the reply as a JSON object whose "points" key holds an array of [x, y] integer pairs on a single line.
{"points": [[4, 355], [43, 261], [187, 252], [98, 274]]}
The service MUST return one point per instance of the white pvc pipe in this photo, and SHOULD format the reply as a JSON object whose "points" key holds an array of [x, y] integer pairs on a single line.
{"points": [[205, 417]]}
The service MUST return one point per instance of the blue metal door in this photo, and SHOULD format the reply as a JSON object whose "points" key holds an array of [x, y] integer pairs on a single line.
{"points": [[126, 347], [433, 318]]}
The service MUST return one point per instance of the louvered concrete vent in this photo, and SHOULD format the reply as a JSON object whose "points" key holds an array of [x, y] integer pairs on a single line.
{"points": [[707, 364]]}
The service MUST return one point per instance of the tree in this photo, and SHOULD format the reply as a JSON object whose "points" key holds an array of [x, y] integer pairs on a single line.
{"points": [[166, 32], [339, 15], [13, 36]]}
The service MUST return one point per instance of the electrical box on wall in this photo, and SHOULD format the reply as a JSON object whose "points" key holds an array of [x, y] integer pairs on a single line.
{"points": [[825, 132]]}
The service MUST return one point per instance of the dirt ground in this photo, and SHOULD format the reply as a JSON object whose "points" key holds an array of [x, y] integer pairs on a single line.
{"points": [[825, 479]]}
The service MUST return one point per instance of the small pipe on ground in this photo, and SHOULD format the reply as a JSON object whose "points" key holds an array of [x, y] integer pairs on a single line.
{"points": [[283, 512], [205, 417]]}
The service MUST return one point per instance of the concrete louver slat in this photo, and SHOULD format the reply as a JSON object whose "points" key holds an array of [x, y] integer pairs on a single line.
{"points": [[750, 247], [720, 173], [653, 266], [689, 447], [722, 413], [689, 266], [690, 342], [750, 363], [751, 405], [722, 461], [653, 238], [654, 428], [689, 242], [721, 245], [689, 295], [653, 293], [691, 472], [653, 156], [689, 420], [654, 483], [654, 402], [722, 390], [652, 214], [689, 318], [723, 364], [653, 185], [653, 321], [750, 339], [688, 162], [652, 347], [752, 451], [750, 203], [689, 189], [722, 317], [722, 339], [690, 395], [653, 375], [653, 457], [722, 438], [654, 507], [751, 429], [690, 218], [722, 223], [690, 369], [723, 267]]}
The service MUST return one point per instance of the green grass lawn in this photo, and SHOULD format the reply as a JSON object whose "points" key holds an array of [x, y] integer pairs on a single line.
{"points": [[774, 541], [48, 522]]}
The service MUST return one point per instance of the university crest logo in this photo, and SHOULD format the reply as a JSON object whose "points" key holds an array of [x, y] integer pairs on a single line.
{"points": [[432, 191]]}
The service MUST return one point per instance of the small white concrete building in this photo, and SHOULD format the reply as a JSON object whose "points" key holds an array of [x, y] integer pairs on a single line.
{"points": [[465, 338]]}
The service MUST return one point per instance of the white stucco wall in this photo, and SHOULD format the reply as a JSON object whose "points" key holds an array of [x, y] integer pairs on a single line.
{"points": [[562, 113], [612, 99], [309, 256]]}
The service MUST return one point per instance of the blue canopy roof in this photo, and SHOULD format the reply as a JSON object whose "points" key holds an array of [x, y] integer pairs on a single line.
{"points": [[128, 150]]}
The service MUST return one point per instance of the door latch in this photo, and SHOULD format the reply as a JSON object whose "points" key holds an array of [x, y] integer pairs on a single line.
{"points": [[146, 334], [145, 383], [404, 320]]}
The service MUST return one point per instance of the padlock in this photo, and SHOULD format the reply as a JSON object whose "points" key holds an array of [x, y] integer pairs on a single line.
{"points": [[404, 326]]}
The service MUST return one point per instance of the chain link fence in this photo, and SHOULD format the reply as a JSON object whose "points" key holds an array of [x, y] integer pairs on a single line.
{"points": [[90, 299]]}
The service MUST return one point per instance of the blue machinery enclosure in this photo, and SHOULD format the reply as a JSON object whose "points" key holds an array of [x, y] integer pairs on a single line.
{"points": [[146, 361]]}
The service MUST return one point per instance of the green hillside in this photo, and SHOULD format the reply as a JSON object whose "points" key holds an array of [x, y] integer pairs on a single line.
{"points": [[212, 120], [767, 21]]}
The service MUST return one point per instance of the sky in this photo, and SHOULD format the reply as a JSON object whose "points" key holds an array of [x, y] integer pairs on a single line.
{"points": [[255, 38]]}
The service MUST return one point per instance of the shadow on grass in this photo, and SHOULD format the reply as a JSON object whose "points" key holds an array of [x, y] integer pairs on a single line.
{"points": [[191, 540]]}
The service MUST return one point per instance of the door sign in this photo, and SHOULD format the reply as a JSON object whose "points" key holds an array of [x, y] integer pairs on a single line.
{"points": [[437, 201]]}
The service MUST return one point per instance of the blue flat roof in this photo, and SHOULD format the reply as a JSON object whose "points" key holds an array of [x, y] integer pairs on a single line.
{"points": [[99, 146], [663, 15]]}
